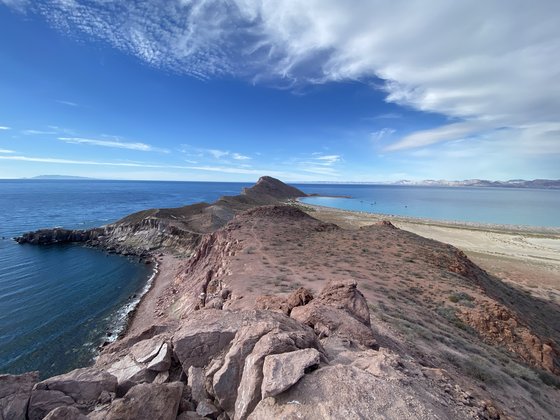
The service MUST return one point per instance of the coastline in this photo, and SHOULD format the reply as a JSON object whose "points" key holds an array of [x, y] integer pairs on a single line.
{"points": [[146, 313], [524, 256]]}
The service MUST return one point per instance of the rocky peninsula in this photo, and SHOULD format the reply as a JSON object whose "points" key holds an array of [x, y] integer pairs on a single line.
{"points": [[262, 310]]}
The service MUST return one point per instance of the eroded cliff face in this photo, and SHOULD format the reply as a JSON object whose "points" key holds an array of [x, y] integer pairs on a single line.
{"points": [[123, 238]]}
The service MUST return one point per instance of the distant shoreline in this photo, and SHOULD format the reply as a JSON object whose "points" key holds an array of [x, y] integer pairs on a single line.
{"points": [[498, 227]]}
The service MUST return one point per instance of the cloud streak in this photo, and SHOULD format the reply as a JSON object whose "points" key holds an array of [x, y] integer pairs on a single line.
{"points": [[143, 147], [220, 169]]}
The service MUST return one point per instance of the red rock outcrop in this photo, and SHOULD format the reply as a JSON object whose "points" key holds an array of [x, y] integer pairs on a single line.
{"points": [[498, 325]]}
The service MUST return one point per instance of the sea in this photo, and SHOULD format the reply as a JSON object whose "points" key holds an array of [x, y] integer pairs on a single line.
{"points": [[58, 304]]}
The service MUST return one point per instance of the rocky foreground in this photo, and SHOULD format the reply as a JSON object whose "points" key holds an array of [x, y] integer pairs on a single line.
{"points": [[275, 314]]}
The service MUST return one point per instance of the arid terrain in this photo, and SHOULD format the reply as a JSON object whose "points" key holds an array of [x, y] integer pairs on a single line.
{"points": [[290, 311]]}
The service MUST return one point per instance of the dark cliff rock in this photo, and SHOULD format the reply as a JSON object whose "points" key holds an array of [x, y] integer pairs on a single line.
{"points": [[58, 236]]}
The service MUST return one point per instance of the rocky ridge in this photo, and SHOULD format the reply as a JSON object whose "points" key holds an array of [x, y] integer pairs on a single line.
{"points": [[279, 315], [175, 229]]}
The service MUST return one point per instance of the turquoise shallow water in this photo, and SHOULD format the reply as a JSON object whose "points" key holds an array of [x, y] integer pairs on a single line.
{"points": [[58, 303], [506, 206]]}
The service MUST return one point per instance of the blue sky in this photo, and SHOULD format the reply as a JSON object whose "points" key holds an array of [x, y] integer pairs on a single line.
{"points": [[305, 91]]}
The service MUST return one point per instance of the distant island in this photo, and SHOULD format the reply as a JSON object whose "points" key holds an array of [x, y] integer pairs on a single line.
{"points": [[67, 177]]}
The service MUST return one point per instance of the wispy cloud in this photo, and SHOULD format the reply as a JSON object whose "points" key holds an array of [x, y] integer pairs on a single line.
{"points": [[143, 147], [208, 168], [217, 154], [6, 151], [38, 132], [445, 133], [199, 153], [381, 134], [327, 160], [3, 127], [68, 103], [231, 170], [318, 163], [77, 161], [238, 156], [483, 70]]}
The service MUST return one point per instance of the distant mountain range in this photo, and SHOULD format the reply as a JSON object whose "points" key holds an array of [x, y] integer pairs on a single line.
{"points": [[512, 183]]}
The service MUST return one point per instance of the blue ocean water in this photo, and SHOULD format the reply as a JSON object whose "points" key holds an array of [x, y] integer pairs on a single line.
{"points": [[508, 206], [58, 302]]}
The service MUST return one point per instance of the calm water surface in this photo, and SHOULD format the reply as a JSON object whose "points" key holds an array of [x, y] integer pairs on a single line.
{"points": [[58, 303], [509, 206]]}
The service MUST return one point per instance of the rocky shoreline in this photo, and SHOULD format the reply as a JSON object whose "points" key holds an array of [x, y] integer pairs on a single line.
{"points": [[261, 311]]}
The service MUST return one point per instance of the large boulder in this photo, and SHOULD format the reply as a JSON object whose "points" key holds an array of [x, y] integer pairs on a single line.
{"points": [[82, 385], [347, 392], [230, 347], [144, 361], [281, 371], [204, 335], [144, 402], [42, 402], [249, 390], [340, 311], [15, 391], [284, 305], [344, 294]]}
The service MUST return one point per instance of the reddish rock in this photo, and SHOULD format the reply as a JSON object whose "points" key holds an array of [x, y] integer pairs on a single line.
{"points": [[15, 391], [281, 371]]}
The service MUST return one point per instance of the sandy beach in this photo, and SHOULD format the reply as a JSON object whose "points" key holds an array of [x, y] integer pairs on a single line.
{"points": [[147, 312], [528, 257]]}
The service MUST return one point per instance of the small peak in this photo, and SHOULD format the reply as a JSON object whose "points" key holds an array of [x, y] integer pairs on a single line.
{"points": [[268, 186]]}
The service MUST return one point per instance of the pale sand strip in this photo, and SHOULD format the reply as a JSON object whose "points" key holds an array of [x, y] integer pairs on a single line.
{"points": [[146, 313]]}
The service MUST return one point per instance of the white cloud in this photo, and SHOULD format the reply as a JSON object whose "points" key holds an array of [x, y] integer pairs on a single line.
{"points": [[114, 144], [327, 160], [381, 134], [6, 151], [476, 62], [238, 156], [3, 127], [217, 154], [19, 5]]}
